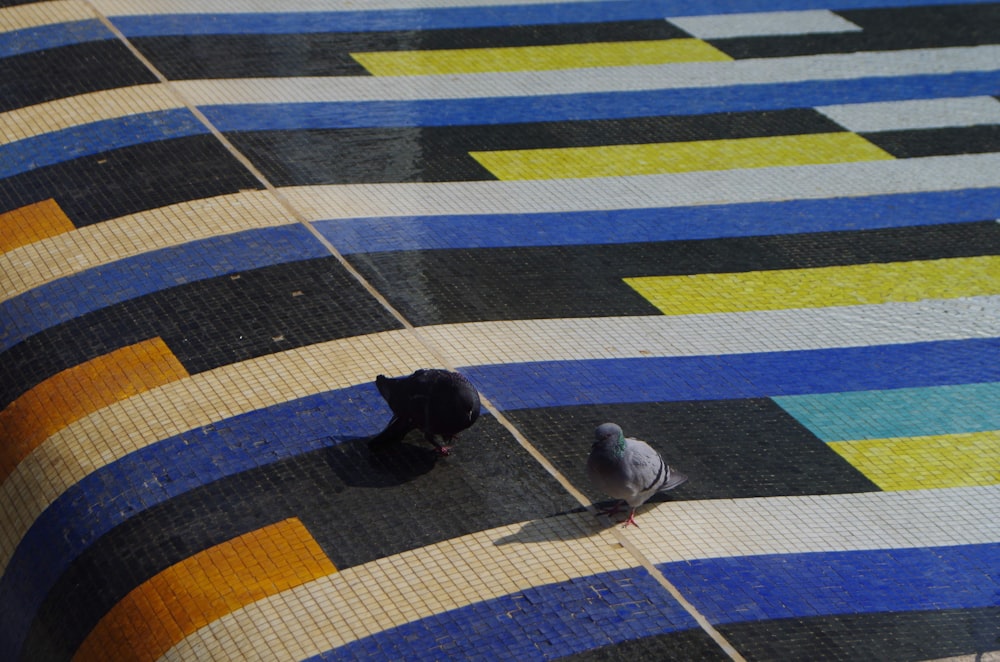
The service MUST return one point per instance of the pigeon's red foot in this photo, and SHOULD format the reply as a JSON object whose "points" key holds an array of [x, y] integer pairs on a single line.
{"points": [[443, 451], [630, 521]]}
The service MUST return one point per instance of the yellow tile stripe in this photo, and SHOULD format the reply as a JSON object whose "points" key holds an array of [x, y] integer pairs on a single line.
{"points": [[32, 223], [678, 157], [824, 286], [201, 589], [920, 463], [538, 58], [79, 391]]}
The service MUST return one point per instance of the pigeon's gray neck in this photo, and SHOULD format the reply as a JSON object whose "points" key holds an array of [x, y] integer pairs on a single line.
{"points": [[620, 445]]}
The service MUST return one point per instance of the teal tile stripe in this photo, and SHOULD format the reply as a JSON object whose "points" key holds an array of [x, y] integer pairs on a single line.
{"points": [[905, 412]]}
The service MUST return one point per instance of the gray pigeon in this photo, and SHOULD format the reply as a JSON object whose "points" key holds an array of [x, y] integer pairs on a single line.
{"points": [[439, 403], [628, 469]]}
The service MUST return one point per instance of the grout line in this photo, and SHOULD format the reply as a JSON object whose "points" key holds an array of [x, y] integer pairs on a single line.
{"points": [[709, 629], [246, 163], [432, 348]]}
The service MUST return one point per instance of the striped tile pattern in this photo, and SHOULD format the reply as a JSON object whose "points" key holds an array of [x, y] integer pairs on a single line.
{"points": [[762, 236]]}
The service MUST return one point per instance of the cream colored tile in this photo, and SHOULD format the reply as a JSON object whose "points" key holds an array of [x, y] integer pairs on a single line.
{"points": [[94, 245], [83, 109], [37, 14], [396, 590], [111, 433]]}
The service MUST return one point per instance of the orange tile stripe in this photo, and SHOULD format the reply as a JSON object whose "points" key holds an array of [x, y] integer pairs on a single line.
{"points": [[203, 588], [32, 223], [79, 391]]}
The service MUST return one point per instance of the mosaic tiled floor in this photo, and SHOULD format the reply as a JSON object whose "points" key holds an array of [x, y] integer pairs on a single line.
{"points": [[761, 235]]}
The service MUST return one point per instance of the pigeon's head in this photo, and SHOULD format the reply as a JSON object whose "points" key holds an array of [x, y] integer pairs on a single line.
{"points": [[608, 432]]}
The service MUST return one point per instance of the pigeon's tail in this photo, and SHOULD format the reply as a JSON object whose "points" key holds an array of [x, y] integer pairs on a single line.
{"points": [[382, 383], [391, 435], [674, 479]]}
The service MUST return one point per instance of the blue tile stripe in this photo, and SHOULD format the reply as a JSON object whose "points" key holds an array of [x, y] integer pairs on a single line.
{"points": [[909, 412], [597, 105], [733, 376], [757, 588], [84, 292], [538, 623], [29, 40], [72, 296], [97, 137], [465, 17], [112, 494], [371, 235], [167, 469]]}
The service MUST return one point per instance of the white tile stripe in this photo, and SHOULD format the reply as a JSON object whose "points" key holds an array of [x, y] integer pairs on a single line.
{"points": [[825, 523], [848, 66], [159, 7], [376, 596], [936, 173], [488, 343], [111, 433], [915, 114], [40, 262], [38, 14], [722, 26]]}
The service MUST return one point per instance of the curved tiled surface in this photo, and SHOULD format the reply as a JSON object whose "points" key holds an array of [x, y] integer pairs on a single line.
{"points": [[762, 236]]}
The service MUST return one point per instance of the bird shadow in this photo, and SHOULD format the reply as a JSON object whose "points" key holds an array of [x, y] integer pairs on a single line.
{"points": [[574, 524], [357, 466]]}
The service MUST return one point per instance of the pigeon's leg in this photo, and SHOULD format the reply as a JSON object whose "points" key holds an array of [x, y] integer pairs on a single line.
{"points": [[442, 450], [391, 436], [630, 520]]}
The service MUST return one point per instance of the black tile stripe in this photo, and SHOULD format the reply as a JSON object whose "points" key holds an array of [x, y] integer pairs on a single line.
{"points": [[66, 71], [882, 30], [935, 142], [892, 637], [730, 449], [357, 508], [429, 154], [208, 323], [103, 186], [328, 54], [465, 285], [690, 645]]}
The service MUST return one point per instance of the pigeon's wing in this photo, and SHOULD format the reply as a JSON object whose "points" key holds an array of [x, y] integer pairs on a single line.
{"points": [[454, 404], [674, 479], [645, 471], [396, 392]]}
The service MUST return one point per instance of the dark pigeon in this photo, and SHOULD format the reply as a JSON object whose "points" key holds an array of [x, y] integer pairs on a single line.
{"points": [[439, 403], [628, 469]]}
